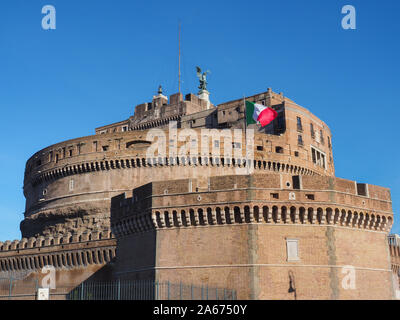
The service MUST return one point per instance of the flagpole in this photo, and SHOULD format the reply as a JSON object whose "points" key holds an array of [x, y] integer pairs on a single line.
{"points": [[245, 131]]}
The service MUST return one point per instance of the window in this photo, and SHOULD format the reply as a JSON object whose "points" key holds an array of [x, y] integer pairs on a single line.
{"points": [[103, 132], [260, 148], [312, 131], [71, 185], [278, 149], [296, 153], [105, 148], [236, 145], [318, 157], [300, 140], [124, 128], [310, 196], [329, 143], [70, 152], [275, 195], [44, 192], [216, 143], [296, 182], [299, 125], [362, 189], [292, 249], [321, 136], [280, 121]]}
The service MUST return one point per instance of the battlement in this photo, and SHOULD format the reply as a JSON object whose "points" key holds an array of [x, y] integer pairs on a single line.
{"points": [[50, 241], [69, 251], [263, 198]]}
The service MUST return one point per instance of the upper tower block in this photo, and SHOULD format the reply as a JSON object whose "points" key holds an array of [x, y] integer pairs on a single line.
{"points": [[159, 112], [304, 134]]}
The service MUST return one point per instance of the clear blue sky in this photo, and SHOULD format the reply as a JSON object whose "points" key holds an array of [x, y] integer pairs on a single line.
{"points": [[105, 57]]}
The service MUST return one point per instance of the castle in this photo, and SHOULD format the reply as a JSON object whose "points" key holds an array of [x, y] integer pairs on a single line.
{"points": [[98, 207]]}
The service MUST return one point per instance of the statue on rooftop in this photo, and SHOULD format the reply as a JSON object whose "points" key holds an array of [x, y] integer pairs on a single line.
{"points": [[202, 78]]}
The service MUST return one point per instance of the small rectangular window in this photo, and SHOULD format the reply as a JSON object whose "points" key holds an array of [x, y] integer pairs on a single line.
{"points": [[310, 197], [275, 195], [236, 145], [292, 249], [216, 143], [299, 125], [70, 152], [296, 182], [260, 148], [124, 128], [278, 149], [105, 148], [362, 189], [300, 140], [312, 130]]}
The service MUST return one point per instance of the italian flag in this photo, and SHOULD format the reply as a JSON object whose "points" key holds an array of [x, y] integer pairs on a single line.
{"points": [[258, 113]]}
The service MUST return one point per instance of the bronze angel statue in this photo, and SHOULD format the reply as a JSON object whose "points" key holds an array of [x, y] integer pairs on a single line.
{"points": [[203, 78]]}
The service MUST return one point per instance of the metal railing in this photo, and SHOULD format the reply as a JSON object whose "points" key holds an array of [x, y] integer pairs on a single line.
{"points": [[14, 288], [26, 289], [147, 290]]}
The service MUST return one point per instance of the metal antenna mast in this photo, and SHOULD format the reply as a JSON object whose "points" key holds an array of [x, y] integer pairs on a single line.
{"points": [[179, 60]]}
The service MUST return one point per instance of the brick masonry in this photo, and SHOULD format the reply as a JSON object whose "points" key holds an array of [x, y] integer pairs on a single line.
{"points": [[194, 219]]}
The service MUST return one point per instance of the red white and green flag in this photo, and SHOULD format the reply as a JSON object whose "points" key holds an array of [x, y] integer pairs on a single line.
{"points": [[258, 113]]}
